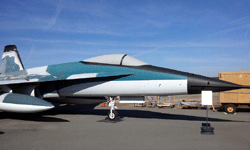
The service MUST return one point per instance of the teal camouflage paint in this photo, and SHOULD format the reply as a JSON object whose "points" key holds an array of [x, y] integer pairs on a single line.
{"points": [[68, 69], [11, 66], [25, 100]]}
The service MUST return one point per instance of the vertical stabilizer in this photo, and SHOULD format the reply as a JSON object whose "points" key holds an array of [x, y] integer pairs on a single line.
{"points": [[11, 61]]}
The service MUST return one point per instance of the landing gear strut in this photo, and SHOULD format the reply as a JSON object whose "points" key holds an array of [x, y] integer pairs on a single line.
{"points": [[112, 115]]}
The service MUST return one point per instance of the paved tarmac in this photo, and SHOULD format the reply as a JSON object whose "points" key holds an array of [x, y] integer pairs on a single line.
{"points": [[141, 129]]}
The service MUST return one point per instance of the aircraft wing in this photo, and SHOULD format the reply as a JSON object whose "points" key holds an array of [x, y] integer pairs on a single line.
{"points": [[33, 79]]}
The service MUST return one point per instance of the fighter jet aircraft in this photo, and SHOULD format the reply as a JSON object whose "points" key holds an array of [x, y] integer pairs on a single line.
{"points": [[89, 81]]}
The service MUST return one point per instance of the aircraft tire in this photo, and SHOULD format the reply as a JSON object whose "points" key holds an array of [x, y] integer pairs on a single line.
{"points": [[230, 109], [112, 116]]}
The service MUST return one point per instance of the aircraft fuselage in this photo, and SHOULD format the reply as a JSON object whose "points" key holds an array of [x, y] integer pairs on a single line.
{"points": [[112, 80]]}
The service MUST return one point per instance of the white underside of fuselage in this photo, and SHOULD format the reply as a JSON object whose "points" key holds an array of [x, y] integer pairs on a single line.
{"points": [[126, 88]]}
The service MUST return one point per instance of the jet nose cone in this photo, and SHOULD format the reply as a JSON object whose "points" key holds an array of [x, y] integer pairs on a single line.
{"points": [[196, 84]]}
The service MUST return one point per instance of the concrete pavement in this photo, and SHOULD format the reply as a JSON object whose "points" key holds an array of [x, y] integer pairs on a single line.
{"points": [[142, 128]]}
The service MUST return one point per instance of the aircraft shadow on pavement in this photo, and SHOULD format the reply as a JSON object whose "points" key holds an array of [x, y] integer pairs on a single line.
{"points": [[78, 109], [157, 115], [37, 117]]}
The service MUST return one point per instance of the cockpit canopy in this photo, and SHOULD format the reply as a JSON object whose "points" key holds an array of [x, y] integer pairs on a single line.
{"points": [[116, 59]]}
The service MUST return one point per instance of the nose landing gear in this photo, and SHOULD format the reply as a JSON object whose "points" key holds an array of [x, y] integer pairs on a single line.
{"points": [[112, 114]]}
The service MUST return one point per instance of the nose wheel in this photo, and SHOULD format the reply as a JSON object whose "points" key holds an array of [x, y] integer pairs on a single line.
{"points": [[112, 115]]}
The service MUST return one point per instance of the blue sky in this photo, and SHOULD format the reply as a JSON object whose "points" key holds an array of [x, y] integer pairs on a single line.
{"points": [[198, 36]]}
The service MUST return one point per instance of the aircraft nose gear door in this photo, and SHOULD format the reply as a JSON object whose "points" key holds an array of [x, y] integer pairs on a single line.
{"points": [[112, 115]]}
